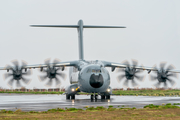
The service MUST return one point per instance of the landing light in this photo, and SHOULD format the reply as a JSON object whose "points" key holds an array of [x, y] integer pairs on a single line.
{"points": [[72, 89], [108, 90]]}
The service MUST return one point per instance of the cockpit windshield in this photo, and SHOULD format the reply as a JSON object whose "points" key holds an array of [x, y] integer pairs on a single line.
{"points": [[94, 71]]}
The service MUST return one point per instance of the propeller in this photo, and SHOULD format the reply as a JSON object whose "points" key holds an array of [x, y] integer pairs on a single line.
{"points": [[163, 75], [17, 74], [130, 73], [52, 73]]}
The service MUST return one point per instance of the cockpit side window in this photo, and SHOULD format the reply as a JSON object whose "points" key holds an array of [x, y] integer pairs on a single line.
{"points": [[102, 69]]}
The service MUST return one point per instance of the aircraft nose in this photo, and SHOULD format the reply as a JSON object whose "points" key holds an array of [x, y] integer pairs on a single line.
{"points": [[96, 81]]}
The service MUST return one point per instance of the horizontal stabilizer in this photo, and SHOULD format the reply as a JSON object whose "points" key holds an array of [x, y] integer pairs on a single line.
{"points": [[65, 26], [76, 26], [94, 26]]}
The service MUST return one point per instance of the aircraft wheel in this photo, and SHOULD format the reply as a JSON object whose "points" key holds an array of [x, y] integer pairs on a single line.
{"points": [[92, 97], [67, 97], [102, 97], [107, 96], [72, 96], [96, 97]]}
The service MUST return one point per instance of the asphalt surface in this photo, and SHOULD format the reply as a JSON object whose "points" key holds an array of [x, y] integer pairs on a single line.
{"points": [[29, 102]]}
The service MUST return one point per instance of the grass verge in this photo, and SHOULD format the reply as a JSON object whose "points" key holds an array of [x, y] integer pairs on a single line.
{"points": [[151, 111], [173, 92], [143, 92]]}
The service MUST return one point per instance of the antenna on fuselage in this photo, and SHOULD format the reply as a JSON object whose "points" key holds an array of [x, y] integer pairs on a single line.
{"points": [[79, 27]]}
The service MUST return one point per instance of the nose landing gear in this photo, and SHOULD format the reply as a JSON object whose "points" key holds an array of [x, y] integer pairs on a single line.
{"points": [[103, 97]]}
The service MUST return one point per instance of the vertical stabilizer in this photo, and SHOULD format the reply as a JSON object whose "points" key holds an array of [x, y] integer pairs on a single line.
{"points": [[80, 37]]}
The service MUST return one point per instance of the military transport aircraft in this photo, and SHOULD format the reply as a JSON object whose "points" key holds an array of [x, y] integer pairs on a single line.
{"points": [[87, 76]]}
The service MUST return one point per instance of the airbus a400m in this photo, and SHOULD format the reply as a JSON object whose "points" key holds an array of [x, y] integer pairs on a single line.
{"points": [[87, 76]]}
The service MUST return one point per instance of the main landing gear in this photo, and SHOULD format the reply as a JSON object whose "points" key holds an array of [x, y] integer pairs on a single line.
{"points": [[68, 97], [103, 97]]}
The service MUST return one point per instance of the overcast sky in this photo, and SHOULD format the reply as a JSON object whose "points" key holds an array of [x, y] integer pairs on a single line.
{"points": [[152, 34]]}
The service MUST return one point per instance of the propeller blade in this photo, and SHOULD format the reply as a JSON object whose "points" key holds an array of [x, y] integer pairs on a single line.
{"points": [[153, 78], [157, 85], [165, 84], [29, 72], [16, 64], [128, 69], [47, 61], [135, 62], [56, 60], [8, 66], [126, 83], [7, 75], [139, 78], [172, 75], [134, 84], [162, 64], [49, 83], [62, 75], [26, 81], [170, 67], [18, 84], [171, 81], [126, 62], [57, 69], [154, 66], [42, 78], [11, 82], [120, 77], [24, 63], [138, 71], [58, 82]]}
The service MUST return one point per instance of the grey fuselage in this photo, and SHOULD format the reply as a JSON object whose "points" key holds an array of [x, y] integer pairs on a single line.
{"points": [[90, 77]]}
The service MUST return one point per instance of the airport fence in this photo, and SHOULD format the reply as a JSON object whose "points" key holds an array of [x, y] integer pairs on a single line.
{"points": [[136, 89], [33, 90]]}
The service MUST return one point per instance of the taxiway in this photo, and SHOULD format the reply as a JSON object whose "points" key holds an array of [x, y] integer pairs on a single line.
{"points": [[41, 102]]}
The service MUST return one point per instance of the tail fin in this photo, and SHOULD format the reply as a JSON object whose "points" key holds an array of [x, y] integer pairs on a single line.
{"points": [[80, 27]]}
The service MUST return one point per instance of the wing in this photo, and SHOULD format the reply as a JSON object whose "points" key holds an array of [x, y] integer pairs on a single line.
{"points": [[59, 64], [114, 65]]}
